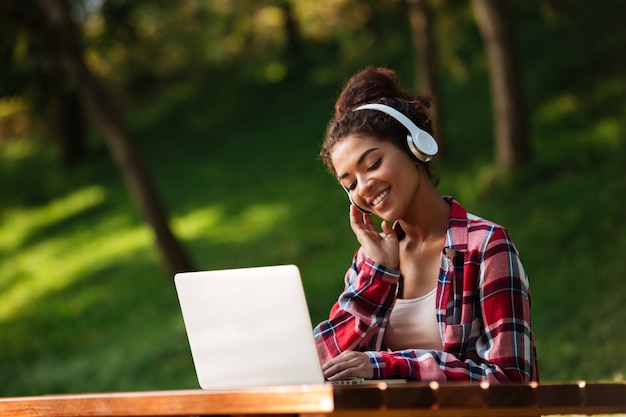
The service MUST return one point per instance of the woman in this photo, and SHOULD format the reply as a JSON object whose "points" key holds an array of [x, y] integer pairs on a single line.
{"points": [[441, 294]]}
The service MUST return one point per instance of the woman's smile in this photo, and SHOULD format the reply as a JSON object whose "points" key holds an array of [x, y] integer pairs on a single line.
{"points": [[380, 197]]}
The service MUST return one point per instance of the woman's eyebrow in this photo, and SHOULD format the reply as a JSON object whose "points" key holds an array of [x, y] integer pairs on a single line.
{"points": [[361, 158]]}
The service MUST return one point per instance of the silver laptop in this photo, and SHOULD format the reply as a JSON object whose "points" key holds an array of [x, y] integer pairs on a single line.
{"points": [[249, 327]]}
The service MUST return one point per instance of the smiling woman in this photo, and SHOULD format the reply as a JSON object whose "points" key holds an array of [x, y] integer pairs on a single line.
{"points": [[439, 295]]}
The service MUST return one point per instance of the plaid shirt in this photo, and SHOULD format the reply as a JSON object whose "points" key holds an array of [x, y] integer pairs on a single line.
{"points": [[482, 308]]}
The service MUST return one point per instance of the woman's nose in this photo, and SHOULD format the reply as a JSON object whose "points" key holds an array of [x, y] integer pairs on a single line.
{"points": [[364, 185]]}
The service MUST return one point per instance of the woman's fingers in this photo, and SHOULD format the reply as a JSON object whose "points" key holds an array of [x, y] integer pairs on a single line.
{"points": [[390, 245], [380, 247], [360, 219], [348, 364], [388, 231]]}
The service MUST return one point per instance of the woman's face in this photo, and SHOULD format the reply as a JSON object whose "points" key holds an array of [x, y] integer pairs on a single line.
{"points": [[378, 176]]}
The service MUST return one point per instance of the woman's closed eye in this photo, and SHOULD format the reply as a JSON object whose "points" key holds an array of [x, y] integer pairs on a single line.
{"points": [[375, 165]]}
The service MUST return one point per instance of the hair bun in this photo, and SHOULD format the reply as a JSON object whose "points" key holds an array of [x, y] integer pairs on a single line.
{"points": [[369, 86]]}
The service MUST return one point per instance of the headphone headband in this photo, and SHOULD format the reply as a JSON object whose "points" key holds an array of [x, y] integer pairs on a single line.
{"points": [[420, 143]]}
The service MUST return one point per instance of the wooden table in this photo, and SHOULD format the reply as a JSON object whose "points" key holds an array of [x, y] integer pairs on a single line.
{"points": [[384, 400]]}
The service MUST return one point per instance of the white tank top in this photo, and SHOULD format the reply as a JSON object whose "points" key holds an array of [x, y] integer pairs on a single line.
{"points": [[413, 324]]}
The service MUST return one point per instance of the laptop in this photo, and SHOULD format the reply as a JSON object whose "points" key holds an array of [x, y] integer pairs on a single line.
{"points": [[248, 327]]}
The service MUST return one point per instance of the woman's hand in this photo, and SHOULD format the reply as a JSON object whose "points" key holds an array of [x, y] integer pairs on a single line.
{"points": [[382, 248], [348, 364]]}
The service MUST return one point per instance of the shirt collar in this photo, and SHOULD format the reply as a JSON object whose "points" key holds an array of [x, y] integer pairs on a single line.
{"points": [[457, 233]]}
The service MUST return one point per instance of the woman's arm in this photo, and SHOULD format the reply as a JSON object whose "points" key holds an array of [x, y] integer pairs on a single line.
{"points": [[356, 320]]}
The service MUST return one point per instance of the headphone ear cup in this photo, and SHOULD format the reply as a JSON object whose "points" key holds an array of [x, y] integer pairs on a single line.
{"points": [[410, 145], [422, 145]]}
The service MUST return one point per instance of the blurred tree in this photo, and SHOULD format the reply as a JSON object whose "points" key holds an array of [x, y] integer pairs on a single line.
{"points": [[30, 71], [424, 53], [291, 27], [68, 118], [511, 125], [61, 34]]}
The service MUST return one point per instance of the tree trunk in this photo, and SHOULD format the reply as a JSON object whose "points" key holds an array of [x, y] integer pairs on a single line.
{"points": [[62, 36], [510, 114], [68, 118], [71, 128], [291, 27], [425, 65]]}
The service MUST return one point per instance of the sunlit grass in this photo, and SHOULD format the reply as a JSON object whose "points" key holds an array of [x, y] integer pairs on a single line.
{"points": [[214, 224], [56, 262], [20, 224]]}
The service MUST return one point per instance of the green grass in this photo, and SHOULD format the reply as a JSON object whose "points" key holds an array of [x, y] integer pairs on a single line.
{"points": [[85, 306]]}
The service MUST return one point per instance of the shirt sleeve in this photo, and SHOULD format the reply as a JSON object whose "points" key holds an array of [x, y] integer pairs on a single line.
{"points": [[357, 319], [495, 346]]}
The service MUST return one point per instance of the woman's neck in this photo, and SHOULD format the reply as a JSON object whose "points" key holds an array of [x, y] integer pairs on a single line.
{"points": [[428, 218]]}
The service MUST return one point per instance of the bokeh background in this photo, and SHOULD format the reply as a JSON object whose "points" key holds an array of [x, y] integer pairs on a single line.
{"points": [[140, 138]]}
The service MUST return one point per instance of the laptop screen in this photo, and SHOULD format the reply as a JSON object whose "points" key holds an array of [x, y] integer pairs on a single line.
{"points": [[248, 327]]}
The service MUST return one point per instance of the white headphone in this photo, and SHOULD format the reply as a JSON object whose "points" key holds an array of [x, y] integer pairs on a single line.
{"points": [[421, 144]]}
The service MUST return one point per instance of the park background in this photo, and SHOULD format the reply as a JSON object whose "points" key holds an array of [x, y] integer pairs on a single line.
{"points": [[226, 103]]}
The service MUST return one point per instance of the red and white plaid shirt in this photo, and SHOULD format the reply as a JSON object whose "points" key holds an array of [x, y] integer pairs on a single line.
{"points": [[482, 309]]}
